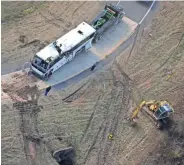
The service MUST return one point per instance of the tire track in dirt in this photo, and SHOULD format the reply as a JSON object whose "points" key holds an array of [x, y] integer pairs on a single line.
{"points": [[111, 126], [105, 143], [119, 115], [55, 18], [91, 118], [111, 148], [33, 143], [52, 22], [28, 114], [76, 11], [66, 9], [178, 44], [119, 96], [28, 125], [69, 97], [108, 125], [149, 65], [106, 104], [68, 24], [121, 71]]}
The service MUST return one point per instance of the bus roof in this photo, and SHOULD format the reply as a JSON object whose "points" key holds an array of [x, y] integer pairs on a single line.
{"points": [[67, 41]]}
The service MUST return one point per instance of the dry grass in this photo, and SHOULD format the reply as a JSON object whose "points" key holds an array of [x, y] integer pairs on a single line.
{"points": [[105, 103]]}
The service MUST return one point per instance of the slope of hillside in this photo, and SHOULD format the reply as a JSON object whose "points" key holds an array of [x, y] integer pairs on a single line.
{"points": [[103, 106]]}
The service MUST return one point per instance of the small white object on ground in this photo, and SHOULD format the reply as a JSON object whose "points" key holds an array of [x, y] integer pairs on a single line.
{"points": [[150, 35]]}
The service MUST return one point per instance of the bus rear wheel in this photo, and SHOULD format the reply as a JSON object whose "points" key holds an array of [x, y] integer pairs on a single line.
{"points": [[97, 38]]}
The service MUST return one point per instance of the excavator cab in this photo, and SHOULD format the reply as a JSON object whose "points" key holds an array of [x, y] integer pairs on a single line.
{"points": [[159, 111], [163, 111]]}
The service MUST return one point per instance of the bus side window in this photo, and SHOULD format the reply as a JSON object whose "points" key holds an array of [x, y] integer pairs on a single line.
{"points": [[67, 53], [54, 62], [82, 42], [50, 65]]}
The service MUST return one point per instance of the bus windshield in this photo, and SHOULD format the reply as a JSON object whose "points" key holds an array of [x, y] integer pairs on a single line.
{"points": [[40, 64]]}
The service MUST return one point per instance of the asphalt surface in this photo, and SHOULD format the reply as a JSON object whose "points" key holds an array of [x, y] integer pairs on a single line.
{"points": [[98, 52], [135, 11]]}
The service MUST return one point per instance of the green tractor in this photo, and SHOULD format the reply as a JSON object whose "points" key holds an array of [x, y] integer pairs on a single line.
{"points": [[111, 15]]}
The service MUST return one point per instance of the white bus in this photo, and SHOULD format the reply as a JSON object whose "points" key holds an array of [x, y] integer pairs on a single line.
{"points": [[63, 50]]}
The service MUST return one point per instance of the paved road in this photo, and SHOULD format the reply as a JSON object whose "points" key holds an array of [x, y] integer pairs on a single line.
{"points": [[130, 8], [110, 40], [134, 10]]}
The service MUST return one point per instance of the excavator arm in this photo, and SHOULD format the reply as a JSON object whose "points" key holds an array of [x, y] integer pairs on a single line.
{"points": [[139, 108], [157, 110]]}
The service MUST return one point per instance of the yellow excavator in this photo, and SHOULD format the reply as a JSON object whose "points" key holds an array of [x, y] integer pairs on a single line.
{"points": [[159, 111]]}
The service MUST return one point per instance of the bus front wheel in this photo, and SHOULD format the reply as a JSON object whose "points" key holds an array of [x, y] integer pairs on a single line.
{"points": [[48, 76], [97, 38]]}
